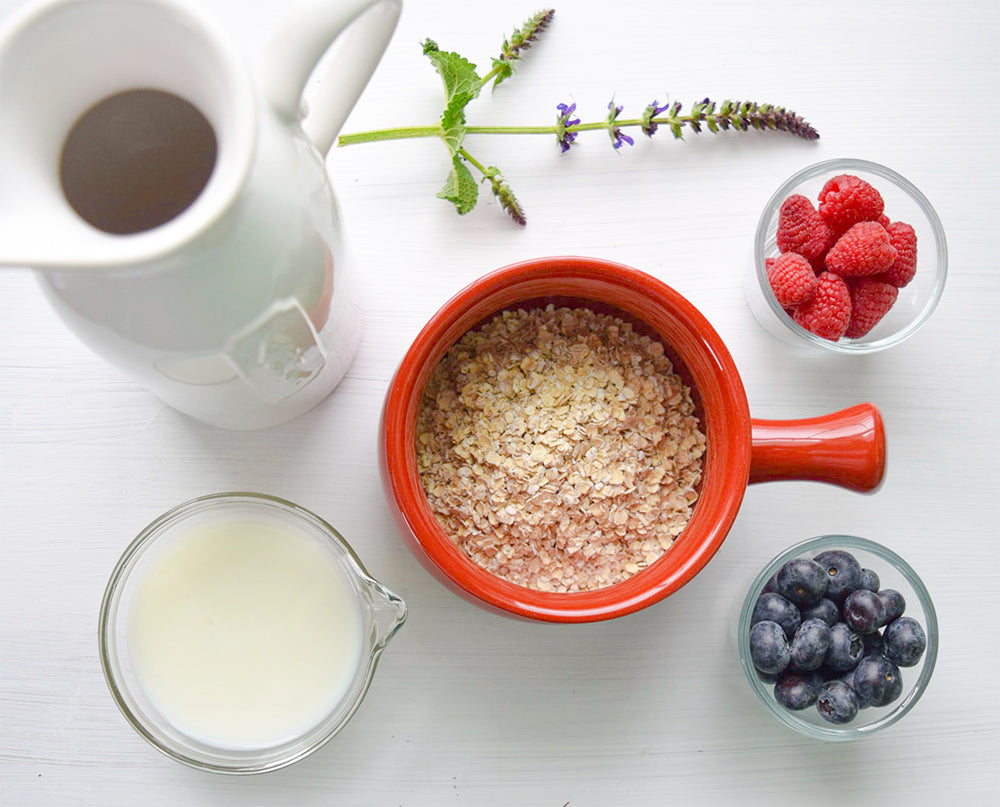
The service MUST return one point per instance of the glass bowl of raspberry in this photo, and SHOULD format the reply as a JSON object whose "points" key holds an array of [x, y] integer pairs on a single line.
{"points": [[849, 257], [838, 637]]}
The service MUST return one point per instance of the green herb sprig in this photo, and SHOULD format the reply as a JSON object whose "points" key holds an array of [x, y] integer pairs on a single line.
{"points": [[462, 85]]}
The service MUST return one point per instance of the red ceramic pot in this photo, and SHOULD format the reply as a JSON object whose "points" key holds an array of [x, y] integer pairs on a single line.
{"points": [[846, 448]]}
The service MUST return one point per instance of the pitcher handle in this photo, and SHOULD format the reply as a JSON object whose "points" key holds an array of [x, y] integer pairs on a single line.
{"points": [[361, 29], [845, 448]]}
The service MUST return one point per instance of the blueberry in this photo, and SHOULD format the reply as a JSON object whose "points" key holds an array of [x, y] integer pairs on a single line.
{"points": [[874, 644], [802, 582], [767, 678], [846, 648], [843, 573], [837, 702], [894, 604], [775, 608], [809, 645], [905, 641], [869, 580], [864, 611], [825, 609], [771, 585], [769, 647], [848, 678], [877, 681], [827, 673], [797, 690]]}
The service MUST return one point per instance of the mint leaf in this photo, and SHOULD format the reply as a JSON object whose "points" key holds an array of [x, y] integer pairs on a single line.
{"points": [[461, 85], [460, 189], [453, 121], [458, 73]]}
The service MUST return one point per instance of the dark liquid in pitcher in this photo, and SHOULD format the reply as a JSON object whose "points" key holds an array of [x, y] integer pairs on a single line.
{"points": [[136, 160]]}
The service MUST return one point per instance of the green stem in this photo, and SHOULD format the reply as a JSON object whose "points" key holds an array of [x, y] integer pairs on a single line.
{"points": [[435, 131], [580, 127], [389, 134], [489, 76], [476, 164]]}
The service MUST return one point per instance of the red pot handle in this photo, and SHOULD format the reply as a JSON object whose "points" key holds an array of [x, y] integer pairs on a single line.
{"points": [[845, 448]]}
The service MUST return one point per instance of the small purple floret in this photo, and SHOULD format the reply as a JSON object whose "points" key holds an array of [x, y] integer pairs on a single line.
{"points": [[618, 137], [564, 121], [649, 126]]}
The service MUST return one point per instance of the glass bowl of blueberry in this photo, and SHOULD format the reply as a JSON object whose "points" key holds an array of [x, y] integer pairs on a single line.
{"points": [[838, 637]]}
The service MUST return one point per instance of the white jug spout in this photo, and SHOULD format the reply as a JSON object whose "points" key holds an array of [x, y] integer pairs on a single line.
{"points": [[41, 232], [24, 245], [60, 58]]}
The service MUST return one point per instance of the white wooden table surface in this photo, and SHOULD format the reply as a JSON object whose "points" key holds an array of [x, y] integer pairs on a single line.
{"points": [[468, 707]]}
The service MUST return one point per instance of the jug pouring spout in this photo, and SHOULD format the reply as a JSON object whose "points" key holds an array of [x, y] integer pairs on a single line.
{"points": [[63, 60], [388, 613]]}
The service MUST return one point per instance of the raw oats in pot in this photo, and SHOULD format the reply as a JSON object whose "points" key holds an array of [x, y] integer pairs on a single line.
{"points": [[558, 448]]}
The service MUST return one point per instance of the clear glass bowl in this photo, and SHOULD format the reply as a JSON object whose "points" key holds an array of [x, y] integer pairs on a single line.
{"points": [[903, 202], [894, 573], [380, 614]]}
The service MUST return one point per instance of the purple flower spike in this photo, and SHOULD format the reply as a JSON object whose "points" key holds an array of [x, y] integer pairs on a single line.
{"points": [[618, 137], [564, 121]]}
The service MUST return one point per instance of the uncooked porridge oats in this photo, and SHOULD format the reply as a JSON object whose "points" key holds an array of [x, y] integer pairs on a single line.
{"points": [[558, 448]]}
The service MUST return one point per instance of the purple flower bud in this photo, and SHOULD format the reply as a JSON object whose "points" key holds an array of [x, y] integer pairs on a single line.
{"points": [[564, 113], [649, 126], [564, 121], [509, 202], [621, 138], [618, 137]]}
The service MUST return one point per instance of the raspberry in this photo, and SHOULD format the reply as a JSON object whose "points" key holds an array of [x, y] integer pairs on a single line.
{"points": [[801, 228], [870, 300], [846, 200], [862, 250], [904, 240], [828, 313], [792, 279]]}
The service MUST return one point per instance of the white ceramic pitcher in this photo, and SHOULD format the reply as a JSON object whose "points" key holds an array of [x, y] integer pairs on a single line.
{"points": [[238, 310]]}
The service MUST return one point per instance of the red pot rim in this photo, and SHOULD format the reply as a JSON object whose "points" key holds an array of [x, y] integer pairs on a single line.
{"points": [[704, 361]]}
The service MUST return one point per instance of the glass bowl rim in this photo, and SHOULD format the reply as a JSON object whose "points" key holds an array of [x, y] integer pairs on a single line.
{"points": [[840, 165], [764, 691]]}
